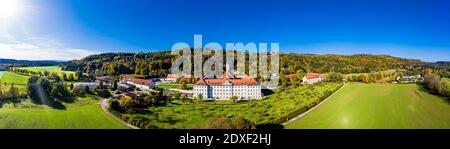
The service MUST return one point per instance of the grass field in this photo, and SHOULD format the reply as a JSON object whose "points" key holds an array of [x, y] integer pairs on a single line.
{"points": [[171, 85], [379, 106], [358, 74], [13, 78], [56, 69], [188, 115], [85, 113]]}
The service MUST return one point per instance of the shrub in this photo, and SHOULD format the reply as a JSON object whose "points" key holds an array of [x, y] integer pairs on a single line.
{"points": [[229, 123]]}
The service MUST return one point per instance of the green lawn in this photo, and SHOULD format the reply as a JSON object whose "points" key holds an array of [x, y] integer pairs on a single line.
{"points": [[379, 106], [171, 85], [56, 69], [276, 106], [85, 113]]}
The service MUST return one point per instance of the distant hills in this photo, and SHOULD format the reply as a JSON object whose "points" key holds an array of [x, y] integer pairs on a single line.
{"points": [[159, 63], [15, 63]]}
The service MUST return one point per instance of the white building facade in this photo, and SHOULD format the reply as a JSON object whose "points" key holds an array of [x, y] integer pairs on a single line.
{"points": [[226, 87], [311, 78]]}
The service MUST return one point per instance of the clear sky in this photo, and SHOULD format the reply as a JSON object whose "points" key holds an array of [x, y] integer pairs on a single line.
{"points": [[72, 29]]}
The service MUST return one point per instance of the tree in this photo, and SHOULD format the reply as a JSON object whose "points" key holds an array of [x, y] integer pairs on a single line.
{"points": [[443, 89], [183, 85], [126, 102], [364, 78], [2, 96], [335, 76], [64, 76], [177, 96], [284, 82], [38, 89], [184, 98], [87, 89], [104, 93], [13, 92], [114, 85], [59, 91], [228, 123], [432, 81], [234, 99], [78, 91], [71, 78], [243, 123], [199, 97], [79, 75]]}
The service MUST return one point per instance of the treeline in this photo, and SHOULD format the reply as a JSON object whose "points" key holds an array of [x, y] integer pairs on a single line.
{"points": [[16, 63], [362, 63], [436, 85], [41, 90], [134, 108], [114, 64], [10, 94], [77, 76], [159, 63]]}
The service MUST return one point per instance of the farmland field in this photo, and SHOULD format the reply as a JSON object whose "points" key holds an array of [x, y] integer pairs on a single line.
{"points": [[171, 85], [55, 69], [13, 78], [379, 106], [272, 109], [85, 113]]}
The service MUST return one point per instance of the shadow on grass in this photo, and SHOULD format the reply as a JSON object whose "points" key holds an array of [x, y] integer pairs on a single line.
{"points": [[423, 89], [267, 92], [49, 102], [67, 99]]}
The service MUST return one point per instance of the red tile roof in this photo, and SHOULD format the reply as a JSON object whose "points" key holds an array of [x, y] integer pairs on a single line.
{"points": [[127, 76], [313, 75], [142, 82], [172, 76], [290, 76], [227, 77], [222, 81]]}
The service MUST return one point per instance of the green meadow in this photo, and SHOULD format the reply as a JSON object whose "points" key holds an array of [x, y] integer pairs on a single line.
{"points": [[84, 113], [55, 69], [381, 106], [13, 78]]}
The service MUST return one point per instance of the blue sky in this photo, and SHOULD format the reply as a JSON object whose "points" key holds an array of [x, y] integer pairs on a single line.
{"points": [[72, 29]]}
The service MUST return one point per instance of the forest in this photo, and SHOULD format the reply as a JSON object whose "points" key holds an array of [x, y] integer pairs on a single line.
{"points": [[158, 64]]}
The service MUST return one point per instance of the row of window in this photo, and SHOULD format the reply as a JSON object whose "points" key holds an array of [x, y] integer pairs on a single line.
{"points": [[222, 90], [240, 86]]}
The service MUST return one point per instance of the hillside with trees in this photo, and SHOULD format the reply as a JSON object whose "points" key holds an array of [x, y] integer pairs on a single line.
{"points": [[114, 64], [159, 63]]}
